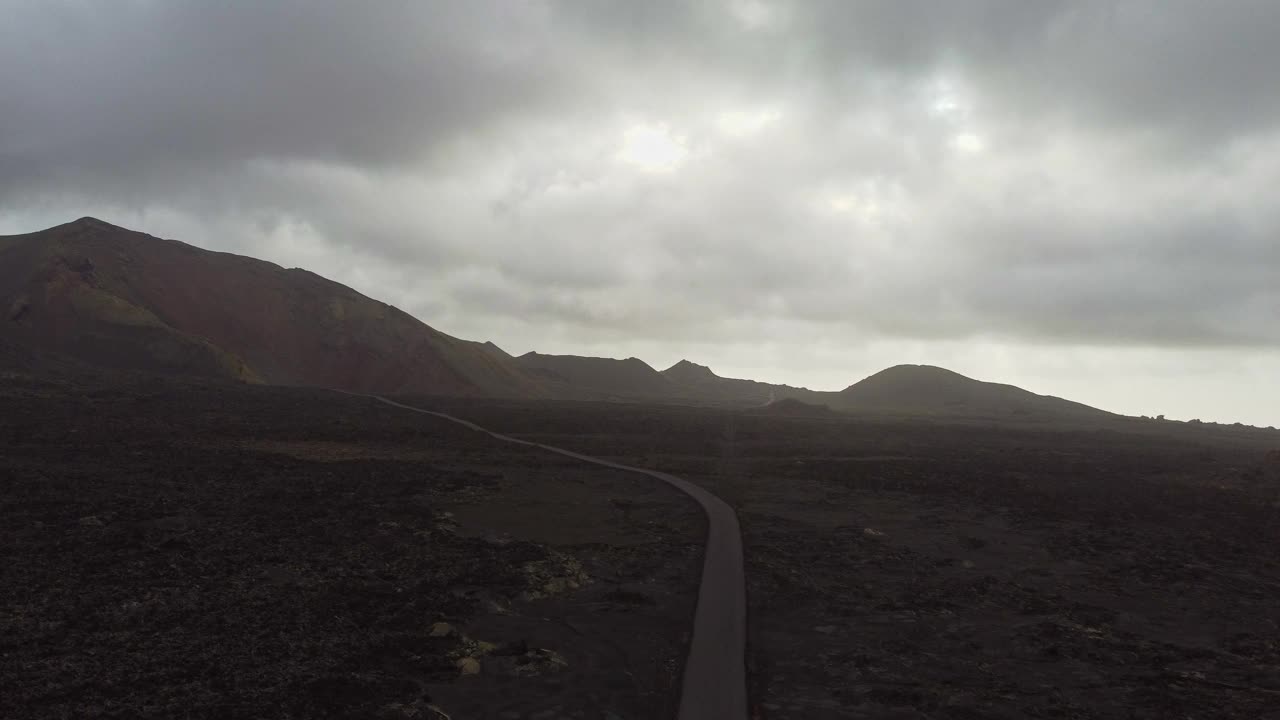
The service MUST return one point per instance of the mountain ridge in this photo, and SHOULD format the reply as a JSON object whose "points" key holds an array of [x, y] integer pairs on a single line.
{"points": [[98, 294], [585, 377]]}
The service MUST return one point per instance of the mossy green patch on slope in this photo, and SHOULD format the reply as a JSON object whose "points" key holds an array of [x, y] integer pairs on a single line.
{"points": [[106, 307]]}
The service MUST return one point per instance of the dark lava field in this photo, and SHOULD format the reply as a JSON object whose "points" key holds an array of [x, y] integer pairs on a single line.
{"points": [[177, 549], [174, 550], [929, 568]]}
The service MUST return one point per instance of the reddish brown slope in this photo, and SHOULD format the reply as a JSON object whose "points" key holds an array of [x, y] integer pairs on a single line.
{"points": [[110, 296]]}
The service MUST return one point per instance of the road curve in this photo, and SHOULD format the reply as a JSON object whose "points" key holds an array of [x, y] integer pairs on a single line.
{"points": [[715, 685]]}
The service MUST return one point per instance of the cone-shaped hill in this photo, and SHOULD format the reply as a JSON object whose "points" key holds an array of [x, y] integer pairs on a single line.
{"points": [[929, 390]]}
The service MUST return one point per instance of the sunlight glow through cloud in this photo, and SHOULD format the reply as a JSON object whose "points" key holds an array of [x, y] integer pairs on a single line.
{"points": [[741, 123], [755, 14], [653, 148], [968, 143]]}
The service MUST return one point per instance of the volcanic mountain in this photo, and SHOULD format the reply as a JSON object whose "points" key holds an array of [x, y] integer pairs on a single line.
{"points": [[928, 390], [597, 378], [696, 382], [111, 297], [89, 294]]}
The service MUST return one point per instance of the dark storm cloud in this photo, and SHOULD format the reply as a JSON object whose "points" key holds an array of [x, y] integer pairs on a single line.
{"points": [[1079, 172], [153, 89]]}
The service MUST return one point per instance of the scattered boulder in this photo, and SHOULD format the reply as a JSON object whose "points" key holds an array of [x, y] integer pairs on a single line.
{"points": [[468, 666], [556, 575], [476, 648], [442, 629]]}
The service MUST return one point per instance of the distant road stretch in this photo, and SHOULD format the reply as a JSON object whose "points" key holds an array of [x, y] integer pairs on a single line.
{"points": [[715, 685]]}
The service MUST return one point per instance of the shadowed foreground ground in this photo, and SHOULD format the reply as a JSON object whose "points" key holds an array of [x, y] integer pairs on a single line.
{"points": [[713, 681], [928, 569], [220, 552]]}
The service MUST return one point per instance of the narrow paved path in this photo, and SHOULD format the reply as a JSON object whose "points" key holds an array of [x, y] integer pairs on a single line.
{"points": [[715, 685]]}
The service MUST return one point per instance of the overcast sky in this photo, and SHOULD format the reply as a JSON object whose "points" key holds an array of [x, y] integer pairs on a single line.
{"points": [[1079, 197]]}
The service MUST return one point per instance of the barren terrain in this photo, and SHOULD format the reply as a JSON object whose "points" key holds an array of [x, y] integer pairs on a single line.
{"points": [[925, 569], [178, 550], [218, 551]]}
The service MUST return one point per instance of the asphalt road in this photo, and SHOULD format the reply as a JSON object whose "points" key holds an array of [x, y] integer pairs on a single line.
{"points": [[715, 684]]}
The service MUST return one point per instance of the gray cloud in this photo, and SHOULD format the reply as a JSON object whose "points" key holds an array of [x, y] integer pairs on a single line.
{"points": [[719, 174], [148, 90]]}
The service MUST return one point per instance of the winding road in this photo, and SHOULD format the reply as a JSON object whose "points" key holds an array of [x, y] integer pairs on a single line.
{"points": [[715, 686]]}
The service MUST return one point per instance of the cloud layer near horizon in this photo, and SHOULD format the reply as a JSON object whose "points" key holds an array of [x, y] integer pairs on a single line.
{"points": [[1033, 191]]}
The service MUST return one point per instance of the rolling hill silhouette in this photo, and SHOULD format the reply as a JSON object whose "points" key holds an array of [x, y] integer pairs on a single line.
{"points": [[578, 377], [89, 294], [929, 390], [698, 383]]}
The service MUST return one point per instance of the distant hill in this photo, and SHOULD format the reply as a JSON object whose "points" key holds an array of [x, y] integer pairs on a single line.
{"points": [[112, 297], [691, 374], [695, 382], [578, 377], [928, 390], [597, 378]]}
